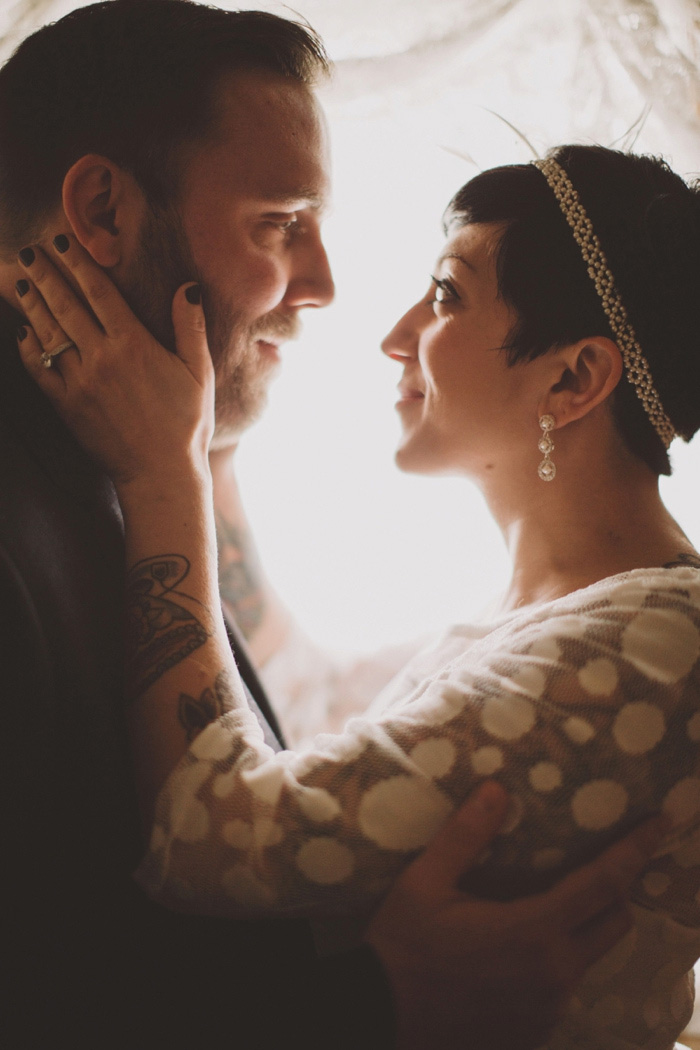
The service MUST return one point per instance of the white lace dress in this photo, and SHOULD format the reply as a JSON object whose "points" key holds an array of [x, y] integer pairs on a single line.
{"points": [[587, 709]]}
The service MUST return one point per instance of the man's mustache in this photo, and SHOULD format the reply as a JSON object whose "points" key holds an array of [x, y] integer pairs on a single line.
{"points": [[275, 327]]}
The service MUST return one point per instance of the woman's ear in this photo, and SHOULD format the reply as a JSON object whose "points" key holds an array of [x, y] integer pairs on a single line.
{"points": [[103, 204], [585, 374]]}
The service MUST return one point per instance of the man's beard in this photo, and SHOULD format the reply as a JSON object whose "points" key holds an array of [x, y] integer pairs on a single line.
{"points": [[164, 262]]}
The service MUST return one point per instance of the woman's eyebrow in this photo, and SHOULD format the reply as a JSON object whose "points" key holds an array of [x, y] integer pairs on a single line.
{"points": [[459, 258]]}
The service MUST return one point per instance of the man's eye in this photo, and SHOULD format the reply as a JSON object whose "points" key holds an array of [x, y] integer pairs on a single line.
{"points": [[443, 291], [285, 225]]}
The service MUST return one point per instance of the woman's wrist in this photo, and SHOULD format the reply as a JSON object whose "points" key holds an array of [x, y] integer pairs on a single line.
{"points": [[184, 482]]}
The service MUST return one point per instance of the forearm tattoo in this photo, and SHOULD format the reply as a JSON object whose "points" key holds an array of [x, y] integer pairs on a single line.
{"points": [[195, 714], [161, 629], [240, 581]]}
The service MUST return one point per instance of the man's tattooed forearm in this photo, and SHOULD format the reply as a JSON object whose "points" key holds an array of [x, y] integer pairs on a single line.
{"points": [[240, 576], [196, 714], [161, 629]]}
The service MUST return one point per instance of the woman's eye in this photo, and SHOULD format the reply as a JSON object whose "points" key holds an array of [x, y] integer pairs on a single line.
{"points": [[443, 291]]}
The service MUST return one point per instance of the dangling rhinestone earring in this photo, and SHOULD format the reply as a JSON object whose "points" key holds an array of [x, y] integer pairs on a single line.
{"points": [[546, 469]]}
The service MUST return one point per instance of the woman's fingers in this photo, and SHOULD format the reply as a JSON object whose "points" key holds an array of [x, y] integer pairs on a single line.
{"points": [[191, 331], [52, 306], [47, 330], [102, 296], [30, 350]]}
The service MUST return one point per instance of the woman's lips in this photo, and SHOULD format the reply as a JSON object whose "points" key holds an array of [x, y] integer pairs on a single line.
{"points": [[407, 396]]}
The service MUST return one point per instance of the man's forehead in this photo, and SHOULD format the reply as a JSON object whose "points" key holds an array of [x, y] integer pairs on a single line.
{"points": [[255, 105], [271, 135]]}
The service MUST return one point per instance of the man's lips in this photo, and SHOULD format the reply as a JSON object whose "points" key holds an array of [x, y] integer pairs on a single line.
{"points": [[268, 348]]}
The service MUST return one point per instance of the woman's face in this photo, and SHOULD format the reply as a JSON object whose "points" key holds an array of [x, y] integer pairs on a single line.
{"points": [[462, 408]]}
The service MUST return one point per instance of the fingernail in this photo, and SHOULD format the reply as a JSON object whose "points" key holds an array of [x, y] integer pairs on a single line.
{"points": [[489, 796], [21, 333], [61, 243], [26, 256], [193, 294], [22, 287]]}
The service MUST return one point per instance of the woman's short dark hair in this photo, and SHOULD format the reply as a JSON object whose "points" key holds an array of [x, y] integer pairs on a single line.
{"points": [[131, 80], [648, 222]]}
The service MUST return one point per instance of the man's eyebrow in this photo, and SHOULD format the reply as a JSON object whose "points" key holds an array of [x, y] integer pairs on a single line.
{"points": [[301, 197], [459, 258]]}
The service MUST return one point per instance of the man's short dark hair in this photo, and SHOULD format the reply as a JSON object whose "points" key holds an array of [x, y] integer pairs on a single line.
{"points": [[131, 80]]}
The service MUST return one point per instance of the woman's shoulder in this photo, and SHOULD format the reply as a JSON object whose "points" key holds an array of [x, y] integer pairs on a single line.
{"points": [[656, 601], [645, 620], [589, 709], [680, 579]]}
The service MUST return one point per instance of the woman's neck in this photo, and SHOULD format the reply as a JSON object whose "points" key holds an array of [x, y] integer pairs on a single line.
{"points": [[596, 519]]}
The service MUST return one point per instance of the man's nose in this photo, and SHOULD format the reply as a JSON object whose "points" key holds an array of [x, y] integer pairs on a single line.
{"points": [[311, 283], [402, 341]]}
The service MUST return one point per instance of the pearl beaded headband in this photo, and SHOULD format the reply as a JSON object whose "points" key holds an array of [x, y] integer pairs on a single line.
{"points": [[636, 365]]}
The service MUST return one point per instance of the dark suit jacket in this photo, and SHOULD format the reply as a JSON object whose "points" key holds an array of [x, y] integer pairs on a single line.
{"points": [[92, 962]]}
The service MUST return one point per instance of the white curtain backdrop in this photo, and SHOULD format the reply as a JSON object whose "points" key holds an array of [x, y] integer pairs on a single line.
{"points": [[425, 94]]}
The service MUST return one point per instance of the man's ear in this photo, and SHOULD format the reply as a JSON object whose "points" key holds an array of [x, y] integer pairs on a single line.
{"points": [[584, 375], [103, 204]]}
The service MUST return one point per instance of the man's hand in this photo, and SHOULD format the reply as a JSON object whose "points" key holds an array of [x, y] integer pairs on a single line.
{"points": [[494, 976]]}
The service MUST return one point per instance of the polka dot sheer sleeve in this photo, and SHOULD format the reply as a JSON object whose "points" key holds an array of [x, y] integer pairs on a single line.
{"points": [[587, 709]]}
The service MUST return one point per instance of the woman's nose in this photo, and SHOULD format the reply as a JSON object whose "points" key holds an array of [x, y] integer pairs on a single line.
{"points": [[402, 341]]}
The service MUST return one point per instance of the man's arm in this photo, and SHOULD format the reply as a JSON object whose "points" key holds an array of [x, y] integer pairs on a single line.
{"points": [[245, 591], [315, 690]]}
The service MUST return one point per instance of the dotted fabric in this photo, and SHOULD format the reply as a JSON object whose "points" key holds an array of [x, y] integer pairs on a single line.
{"points": [[587, 709]]}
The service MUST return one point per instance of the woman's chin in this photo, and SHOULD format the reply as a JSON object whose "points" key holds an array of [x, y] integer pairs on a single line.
{"points": [[413, 458]]}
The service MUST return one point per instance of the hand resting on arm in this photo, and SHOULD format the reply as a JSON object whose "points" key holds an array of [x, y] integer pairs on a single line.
{"points": [[518, 960]]}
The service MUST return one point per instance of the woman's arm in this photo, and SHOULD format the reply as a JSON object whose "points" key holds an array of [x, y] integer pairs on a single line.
{"points": [[241, 830], [147, 417], [180, 672]]}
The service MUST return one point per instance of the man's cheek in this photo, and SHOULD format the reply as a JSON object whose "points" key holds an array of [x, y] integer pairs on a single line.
{"points": [[263, 287]]}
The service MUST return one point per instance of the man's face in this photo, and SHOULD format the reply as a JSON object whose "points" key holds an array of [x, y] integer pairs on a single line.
{"points": [[247, 226]]}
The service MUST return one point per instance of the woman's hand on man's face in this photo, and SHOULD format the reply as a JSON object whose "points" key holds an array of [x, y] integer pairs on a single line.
{"points": [[146, 415]]}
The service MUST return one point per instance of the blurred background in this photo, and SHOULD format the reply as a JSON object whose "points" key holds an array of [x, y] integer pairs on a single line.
{"points": [[424, 95]]}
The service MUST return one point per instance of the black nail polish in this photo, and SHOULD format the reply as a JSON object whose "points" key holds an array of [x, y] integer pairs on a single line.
{"points": [[22, 287], [193, 294], [21, 333], [27, 256], [61, 243]]}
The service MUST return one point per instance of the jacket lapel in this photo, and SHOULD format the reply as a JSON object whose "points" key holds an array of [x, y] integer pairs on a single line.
{"points": [[257, 697]]}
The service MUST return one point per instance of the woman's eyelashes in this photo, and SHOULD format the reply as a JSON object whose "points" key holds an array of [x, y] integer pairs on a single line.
{"points": [[443, 291]]}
